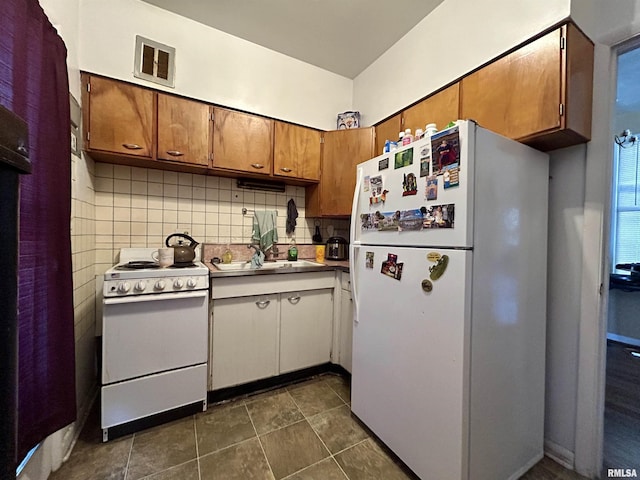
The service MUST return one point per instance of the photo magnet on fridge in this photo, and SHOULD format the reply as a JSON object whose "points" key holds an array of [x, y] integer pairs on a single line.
{"points": [[367, 183], [451, 178], [378, 194], [425, 160], [369, 221], [388, 221], [404, 158], [431, 192], [383, 164], [410, 220], [409, 185], [369, 260], [439, 216], [445, 147]]}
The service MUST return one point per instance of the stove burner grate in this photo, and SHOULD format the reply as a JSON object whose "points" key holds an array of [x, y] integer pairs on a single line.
{"points": [[137, 265]]}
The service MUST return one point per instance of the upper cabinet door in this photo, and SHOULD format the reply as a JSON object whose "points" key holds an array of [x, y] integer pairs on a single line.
{"points": [[121, 118], [520, 94], [440, 108], [184, 130], [387, 130], [296, 152], [242, 142], [343, 150]]}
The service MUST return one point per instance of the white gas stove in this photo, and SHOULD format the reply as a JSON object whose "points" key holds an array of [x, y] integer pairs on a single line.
{"points": [[137, 274], [154, 342]]}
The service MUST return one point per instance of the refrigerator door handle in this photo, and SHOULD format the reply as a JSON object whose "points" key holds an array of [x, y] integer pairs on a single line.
{"points": [[354, 208], [352, 276]]}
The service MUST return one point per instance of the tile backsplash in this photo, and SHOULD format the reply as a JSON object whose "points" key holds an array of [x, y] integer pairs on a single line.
{"points": [[139, 207]]}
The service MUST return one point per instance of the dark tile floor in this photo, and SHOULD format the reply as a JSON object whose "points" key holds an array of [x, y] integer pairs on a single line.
{"points": [[301, 432]]}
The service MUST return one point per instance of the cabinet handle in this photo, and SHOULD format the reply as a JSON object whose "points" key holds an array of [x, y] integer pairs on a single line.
{"points": [[294, 300], [132, 146], [175, 153], [285, 169], [257, 165], [263, 303]]}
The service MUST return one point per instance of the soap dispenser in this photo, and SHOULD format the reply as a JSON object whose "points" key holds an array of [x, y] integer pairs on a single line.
{"points": [[292, 253], [227, 256]]}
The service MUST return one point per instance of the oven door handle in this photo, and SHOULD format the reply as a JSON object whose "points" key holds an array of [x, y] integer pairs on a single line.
{"points": [[154, 297]]}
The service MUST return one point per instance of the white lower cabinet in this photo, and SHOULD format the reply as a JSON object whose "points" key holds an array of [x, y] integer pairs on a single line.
{"points": [[305, 329], [244, 340], [262, 326]]}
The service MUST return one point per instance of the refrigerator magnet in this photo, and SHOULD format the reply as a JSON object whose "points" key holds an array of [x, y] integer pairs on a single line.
{"points": [[409, 185], [393, 270], [433, 256], [383, 164], [388, 221], [368, 221], [451, 178], [436, 271], [439, 216], [369, 260], [404, 158], [378, 194], [431, 192], [367, 183], [410, 220], [446, 150], [427, 286], [425, 160]]}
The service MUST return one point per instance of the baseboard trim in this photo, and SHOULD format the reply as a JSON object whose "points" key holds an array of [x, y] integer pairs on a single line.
{"points": [[271, 383], [559, 454]]}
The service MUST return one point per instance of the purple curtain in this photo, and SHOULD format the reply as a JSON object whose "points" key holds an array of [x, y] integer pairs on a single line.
{"points": [[34, 85]]}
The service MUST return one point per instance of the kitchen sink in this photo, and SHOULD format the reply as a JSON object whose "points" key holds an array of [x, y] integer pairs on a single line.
{"points": [[278, 264]]}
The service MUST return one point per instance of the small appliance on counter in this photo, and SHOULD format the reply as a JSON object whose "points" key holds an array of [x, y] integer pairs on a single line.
{"points": [[336, 249]]}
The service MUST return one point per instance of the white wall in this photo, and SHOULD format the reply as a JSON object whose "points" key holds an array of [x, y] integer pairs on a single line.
{"points": [[566, 207], [457, 37], [211, 65]]}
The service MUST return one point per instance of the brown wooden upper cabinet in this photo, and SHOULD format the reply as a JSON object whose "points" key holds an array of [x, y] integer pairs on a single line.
{"points": [[540, 94], [242, 142], [184, 130], [296, 152], [119, 117], [342, 151], [440, 108]]}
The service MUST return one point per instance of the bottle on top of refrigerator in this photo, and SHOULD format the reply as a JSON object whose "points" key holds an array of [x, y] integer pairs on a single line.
{"points": [[407, 138], [430, 129], [419, 134], [400, 138]]}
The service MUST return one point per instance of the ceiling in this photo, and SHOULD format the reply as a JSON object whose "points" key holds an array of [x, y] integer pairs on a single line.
{"points": [[342, 36]]}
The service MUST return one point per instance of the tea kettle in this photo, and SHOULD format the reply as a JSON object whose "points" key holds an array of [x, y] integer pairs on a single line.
{"points": [[182, 254]]}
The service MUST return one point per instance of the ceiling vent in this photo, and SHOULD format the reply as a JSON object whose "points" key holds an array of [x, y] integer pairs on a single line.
{"points": [[154, 61], [253, 184]]}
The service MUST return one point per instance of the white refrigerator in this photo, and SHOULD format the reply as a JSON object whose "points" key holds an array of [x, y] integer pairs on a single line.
{"points": [[449, 271]]}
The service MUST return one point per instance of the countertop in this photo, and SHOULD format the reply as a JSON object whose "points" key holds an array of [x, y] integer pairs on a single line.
{"points": [[327, 266]]}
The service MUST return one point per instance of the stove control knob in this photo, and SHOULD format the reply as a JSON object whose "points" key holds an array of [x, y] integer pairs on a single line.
{"points": [[124, 287], [159, 285], [140, 286], [178, 283], [191, 283]]}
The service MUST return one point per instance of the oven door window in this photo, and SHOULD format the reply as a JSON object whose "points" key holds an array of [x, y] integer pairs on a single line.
{"points": [[153, 333]]}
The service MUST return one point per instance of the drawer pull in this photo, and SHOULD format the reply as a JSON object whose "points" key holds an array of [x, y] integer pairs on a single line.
{"points": [[132, 146], [263, 303], [175, 153], [285, 169], [294, 300], [257, 165]]}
